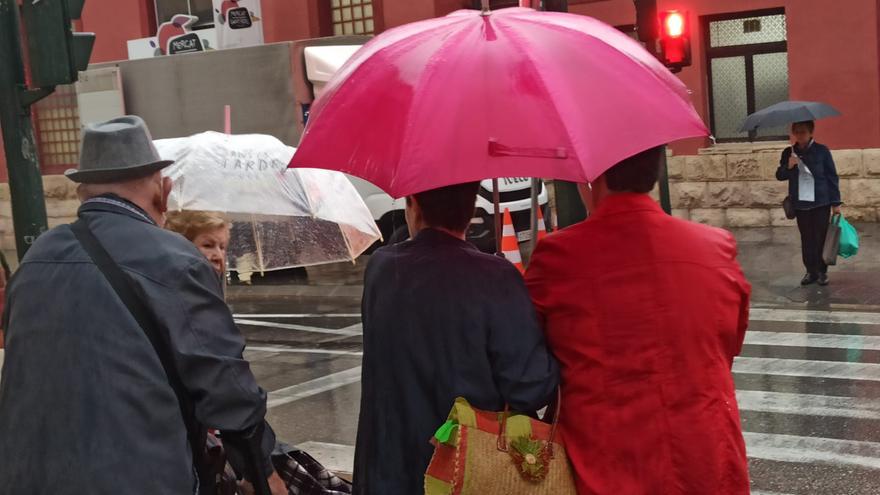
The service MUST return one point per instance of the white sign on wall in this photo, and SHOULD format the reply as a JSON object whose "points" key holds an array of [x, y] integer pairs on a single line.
{"points": [[238, 23], [150, 47]]}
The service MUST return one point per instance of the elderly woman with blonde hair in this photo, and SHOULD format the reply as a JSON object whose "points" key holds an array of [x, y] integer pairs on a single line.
{"points": [[300, 473], [209, 231]]}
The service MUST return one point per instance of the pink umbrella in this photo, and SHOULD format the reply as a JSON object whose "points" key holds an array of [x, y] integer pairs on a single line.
{"points": [[508, 93]]}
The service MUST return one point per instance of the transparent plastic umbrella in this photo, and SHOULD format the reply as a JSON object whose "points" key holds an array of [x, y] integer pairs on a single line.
{"points": [[281, 218]]}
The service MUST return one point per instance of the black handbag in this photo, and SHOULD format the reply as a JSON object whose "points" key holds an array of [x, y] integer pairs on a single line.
{"points": [[208, 467], [788, 207]]}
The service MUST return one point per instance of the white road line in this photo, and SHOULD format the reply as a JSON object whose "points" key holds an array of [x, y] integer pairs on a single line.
{"points": [[333, 381], [807, 368], [762, 492], [253, 355], [298, 350], [813, 316], [357, 327], [808, 450], [300, 315], [808, 405], [335, 457], [796, 339], [347, 331]]}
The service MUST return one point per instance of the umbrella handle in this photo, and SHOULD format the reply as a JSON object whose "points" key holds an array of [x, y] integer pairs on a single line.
{"points": [[496, 201], [485, 5]]}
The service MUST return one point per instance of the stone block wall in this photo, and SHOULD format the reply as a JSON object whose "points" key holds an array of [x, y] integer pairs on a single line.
{"points": [[735, 185]]}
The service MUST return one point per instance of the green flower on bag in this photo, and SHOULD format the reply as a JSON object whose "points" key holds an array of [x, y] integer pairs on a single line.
{"points": [[530, 455]]}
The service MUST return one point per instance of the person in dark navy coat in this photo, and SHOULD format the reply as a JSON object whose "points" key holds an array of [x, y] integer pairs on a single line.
{"points": [[441, 320], [814, 189]]}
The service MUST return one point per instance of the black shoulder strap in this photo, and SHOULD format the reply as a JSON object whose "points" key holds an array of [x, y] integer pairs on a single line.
{"points": [[123, 287]]}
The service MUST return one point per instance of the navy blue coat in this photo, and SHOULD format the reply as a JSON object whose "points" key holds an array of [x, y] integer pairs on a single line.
{"points": [[441, 320], [820, 162]]}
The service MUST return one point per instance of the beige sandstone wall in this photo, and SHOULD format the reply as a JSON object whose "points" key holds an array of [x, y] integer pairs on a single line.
{"points": [[735, 185]]}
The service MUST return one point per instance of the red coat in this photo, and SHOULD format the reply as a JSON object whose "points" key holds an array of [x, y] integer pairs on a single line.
{"points": [[645, 313]]}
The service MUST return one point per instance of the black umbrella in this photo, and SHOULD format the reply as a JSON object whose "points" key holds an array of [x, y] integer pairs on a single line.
{"points": [[788, 112]]}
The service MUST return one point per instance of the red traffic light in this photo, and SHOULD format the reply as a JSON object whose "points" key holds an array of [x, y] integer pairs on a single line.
{"points": [[673, 25], [675, 46]]}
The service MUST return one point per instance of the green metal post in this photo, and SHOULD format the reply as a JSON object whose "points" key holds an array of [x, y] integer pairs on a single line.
{"points": [[646, 28], [569, 207], [25, 181]]}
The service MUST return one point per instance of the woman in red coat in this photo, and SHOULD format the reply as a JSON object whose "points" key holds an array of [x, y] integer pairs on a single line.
{"points": [[645, 313]]}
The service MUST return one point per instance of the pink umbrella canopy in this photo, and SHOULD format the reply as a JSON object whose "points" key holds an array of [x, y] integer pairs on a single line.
{"points": [[510, 93]]}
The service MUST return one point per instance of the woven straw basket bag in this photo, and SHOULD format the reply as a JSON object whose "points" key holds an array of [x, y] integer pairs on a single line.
{"points": [[491, 453]]}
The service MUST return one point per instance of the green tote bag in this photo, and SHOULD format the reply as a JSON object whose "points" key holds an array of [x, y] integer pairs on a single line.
{"points": [[849, 239]]}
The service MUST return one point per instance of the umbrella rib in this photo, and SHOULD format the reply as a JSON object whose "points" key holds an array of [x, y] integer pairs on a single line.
{"points": [[312, 208], [258, 244], [667, 86], [642, 63], [331, 95], [407, 134], [547, 91], [348, 246]]}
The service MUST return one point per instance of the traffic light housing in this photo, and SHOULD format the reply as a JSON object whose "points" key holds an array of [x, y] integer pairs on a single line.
{"points": [[674, 40], [556, 5], [56, 53], [647, 25]]}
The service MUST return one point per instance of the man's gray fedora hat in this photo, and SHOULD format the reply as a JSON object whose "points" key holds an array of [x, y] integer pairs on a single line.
{"points": [[116, 151]]}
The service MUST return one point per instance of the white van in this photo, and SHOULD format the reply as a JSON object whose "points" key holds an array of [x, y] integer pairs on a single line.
{"points": [[322, 60]]}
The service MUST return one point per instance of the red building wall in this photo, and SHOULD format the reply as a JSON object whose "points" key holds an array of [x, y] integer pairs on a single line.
{"points": [[115, 22], [832, 56], [286, 20]]}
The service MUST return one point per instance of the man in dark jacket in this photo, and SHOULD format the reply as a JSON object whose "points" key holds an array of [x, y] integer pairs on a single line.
{"points": [[85, 404], [441, 320], [813, 187]]}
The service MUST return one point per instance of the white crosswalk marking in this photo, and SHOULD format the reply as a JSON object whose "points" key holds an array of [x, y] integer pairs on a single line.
{"points": [[782, 426], [791, 448], [807, 368], [350, 331], [806, 404], [795, 339], [297, 350], [299, 315], [313, 387], [813, 316]]}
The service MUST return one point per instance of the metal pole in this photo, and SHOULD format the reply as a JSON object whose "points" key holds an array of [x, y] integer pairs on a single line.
{"points": [[25, 181], [496, 200], [646, 20], [665, 202], [536, 190]]}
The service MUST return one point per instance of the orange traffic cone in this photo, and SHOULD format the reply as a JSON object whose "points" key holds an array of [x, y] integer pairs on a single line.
{"points": [[509, 243]]}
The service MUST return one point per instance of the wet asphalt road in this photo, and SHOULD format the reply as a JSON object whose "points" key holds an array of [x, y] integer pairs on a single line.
{"points": [[808, 380]]}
